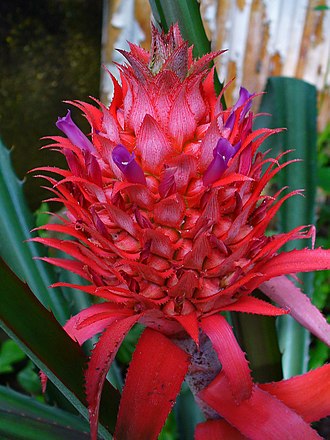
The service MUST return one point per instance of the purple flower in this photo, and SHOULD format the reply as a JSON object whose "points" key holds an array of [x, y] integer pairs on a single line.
{"points": [[125, 161], [74, 134], [221, 153], [245, 100]]}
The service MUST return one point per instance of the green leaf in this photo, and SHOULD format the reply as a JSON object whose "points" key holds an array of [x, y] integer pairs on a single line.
{"points": [[324, 178], [188, 413], [292, 104], [321, 8], [257, 335], [322, 288], [128, 346], [187, 14], [24, 418], [10, 353], [42, 217], [29, 380], [16, 221], [169, 431], [319, 355], [42, 338]]}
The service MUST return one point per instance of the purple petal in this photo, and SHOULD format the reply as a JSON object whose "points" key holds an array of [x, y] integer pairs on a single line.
{"points": [[237, 146], [286, 294], [244, 95], [75, 135], [244, 99], [221, 153], [231, 121], [126, 163]]}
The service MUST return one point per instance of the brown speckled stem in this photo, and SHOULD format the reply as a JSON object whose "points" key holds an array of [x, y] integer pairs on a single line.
{"points": [[204, 367]]}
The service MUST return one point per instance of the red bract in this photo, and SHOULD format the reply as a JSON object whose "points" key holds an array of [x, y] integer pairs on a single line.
{"points": [[166, 208]]}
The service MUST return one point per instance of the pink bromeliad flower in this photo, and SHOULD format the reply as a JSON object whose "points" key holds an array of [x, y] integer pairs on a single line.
{"points": [[166, 208]]}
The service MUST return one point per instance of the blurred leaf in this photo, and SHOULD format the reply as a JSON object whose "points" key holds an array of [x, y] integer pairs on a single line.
{"points": [[29, 380], [322, 289], [319, 355], [16, 221], [324, 137], [169, 431], [41, 337], [23, 418], [324, 179], [42, 217], [128, 346], [257, 335], [10, 353], [292, 104], [321, 8], [188, 413]]}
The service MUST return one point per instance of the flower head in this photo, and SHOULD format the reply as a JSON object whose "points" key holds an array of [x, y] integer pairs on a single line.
{"points": [[167, 213]]}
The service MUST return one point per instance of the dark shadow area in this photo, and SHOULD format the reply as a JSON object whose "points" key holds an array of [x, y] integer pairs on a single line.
{"points": [[49, 52]]}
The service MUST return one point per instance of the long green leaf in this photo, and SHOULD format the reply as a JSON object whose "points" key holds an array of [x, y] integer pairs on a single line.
{"points": [[16, 221], [24, 418], [41, 337], [292, 104]]}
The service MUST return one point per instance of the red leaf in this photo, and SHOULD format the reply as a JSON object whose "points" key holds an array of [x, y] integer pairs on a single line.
{"points": [[190, 324], [304, 260], [153, 381], [231, 178], [286, 294], [185, 167], [230, 354], [249, 304], [308, 394], [93, 320], [181, 120], [71, 265], [170, 211], [258, 418], [99, 364], [217, 429], [148, 141]]}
